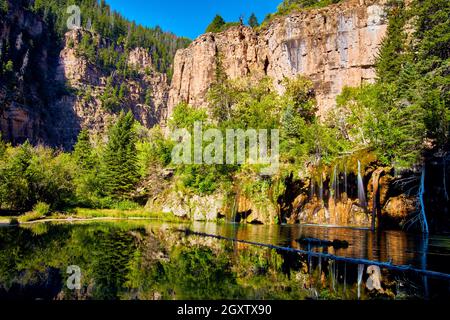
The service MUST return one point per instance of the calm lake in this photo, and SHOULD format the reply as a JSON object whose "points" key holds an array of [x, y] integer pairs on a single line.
{"points": [[151, 260]]}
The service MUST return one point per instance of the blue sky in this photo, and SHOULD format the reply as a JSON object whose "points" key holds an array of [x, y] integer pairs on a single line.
{"points": [[190, 18]]}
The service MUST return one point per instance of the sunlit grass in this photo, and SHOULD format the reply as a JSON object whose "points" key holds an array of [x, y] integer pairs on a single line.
{"points": [[84, 213], [87, 214]]}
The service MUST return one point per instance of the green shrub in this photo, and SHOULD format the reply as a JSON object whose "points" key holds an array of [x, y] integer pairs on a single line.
{"points": [[216, 25], [30, 175], [9, 67], [126, 205], [40, 210]]}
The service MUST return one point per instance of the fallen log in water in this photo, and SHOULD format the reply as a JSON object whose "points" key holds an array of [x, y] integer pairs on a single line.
{"points": [[337, 244], [387, 265]]}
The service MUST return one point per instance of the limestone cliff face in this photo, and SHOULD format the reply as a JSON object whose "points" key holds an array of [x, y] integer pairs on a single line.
{"points": [[25, 46], [334, 46], [146, 90], [49, 97], [49, 91]]}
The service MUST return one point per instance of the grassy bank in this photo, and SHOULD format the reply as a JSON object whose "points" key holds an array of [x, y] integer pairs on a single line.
{"points": [[83, 214]]}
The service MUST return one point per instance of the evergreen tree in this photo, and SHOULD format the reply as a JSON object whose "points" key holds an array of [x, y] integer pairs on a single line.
{"points": [[216, 25], [120, 164], [419, 69], [83, 152], [431, 66], [110, 97], [253, 21], [219, 95], [108, 24], [123, 91], [391, 58], [149, 96]]}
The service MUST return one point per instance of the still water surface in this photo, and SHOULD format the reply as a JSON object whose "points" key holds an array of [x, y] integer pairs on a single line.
{"points": [[153, 260], [401, 248]]}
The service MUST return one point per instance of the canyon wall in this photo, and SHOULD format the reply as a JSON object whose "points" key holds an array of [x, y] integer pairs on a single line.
{"points": [[49, 90], [146, 90], [25, 56], [334, 46], [53, 92]]}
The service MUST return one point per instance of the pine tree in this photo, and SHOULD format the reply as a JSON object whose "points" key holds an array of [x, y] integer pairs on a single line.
{"points": [[83, 152], [216, 25], [123, 91], [120, 165], [391, 58], [253, 21], [431, 64]]}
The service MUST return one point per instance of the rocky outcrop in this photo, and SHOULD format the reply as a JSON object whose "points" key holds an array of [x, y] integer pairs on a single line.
{"points": [[53, 91], [335, 46], [26, 57], [146, 90], [189, 206], [399, 208], [344, 212]]}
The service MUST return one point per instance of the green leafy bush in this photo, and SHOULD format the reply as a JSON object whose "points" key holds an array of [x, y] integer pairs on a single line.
{"points": [[40, 210]]}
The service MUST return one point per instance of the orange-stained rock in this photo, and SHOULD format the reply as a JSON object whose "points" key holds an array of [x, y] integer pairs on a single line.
{"points": [[335, 46], [399, 207]]}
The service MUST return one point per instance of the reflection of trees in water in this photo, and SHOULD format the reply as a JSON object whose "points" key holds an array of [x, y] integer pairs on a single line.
{"points": [[125, 261]]}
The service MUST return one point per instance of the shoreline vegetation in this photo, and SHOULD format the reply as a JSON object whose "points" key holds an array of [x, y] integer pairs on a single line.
{"points": [[402, 122], [85, 214]]}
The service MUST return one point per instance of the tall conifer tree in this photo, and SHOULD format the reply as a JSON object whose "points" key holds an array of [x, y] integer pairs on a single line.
{"points": [[83, 152], [120, 165]]}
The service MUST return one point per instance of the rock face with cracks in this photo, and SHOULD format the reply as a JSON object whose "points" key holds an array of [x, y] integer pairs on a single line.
{"points": [[334, 46]]}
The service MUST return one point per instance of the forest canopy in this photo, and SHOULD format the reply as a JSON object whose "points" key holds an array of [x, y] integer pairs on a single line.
{"points": [[99, 17]]}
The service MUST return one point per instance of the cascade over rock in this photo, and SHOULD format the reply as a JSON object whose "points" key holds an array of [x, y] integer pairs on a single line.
{"points": [[335, 46]]}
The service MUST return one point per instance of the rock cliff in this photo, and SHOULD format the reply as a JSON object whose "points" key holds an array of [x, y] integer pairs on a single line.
{"points": [[26, 57], [334, 46], [49, 91], [146, 91]]}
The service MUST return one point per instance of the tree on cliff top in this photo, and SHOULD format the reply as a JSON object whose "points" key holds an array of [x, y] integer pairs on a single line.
{"points": [[253, 21], [216, 25]]}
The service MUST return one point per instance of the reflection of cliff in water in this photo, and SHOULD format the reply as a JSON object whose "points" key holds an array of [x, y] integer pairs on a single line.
{"points": [[153, 261]]}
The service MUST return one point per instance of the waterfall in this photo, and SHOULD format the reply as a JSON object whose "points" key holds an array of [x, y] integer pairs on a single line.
{"points": [[345, 181], [360, 275], [335, 185], [313, 191], [361, 191], [345, 278], [321, 189], [332, 272], [422, 204], [234, 209], [425, 245], [320, 266]]}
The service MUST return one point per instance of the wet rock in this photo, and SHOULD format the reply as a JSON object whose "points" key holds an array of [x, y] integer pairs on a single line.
{"points": [[399, 208]]}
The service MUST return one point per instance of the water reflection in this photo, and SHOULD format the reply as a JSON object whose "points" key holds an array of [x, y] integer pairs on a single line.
{"points": [[400, 248], [151, 260]]}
